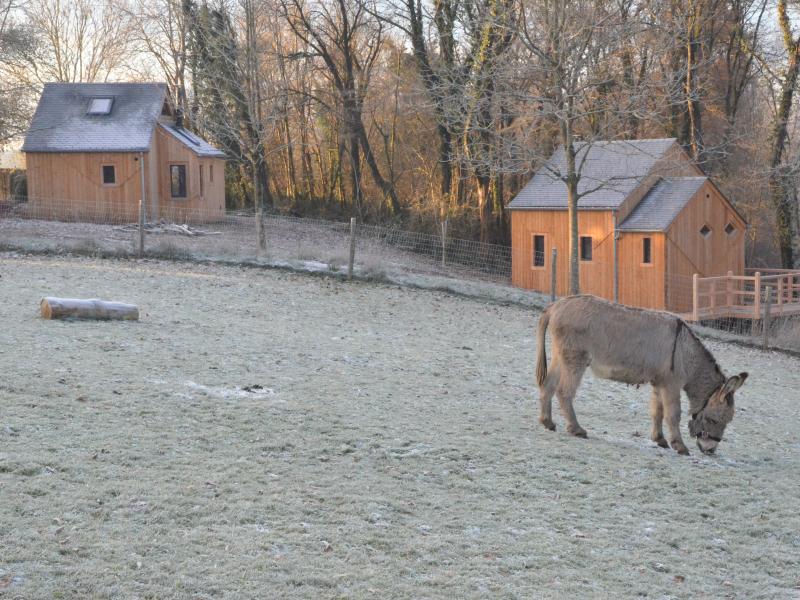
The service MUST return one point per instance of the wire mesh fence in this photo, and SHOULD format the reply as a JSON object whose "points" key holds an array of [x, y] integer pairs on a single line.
{"points": [[64, 226], [45, 225]]}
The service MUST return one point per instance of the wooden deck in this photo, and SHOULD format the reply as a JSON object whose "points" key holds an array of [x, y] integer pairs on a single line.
{"points": [[745, 296]]}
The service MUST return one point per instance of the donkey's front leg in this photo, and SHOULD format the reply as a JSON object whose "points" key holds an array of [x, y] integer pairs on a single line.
{"points": [[671, 400], [657, 414]]}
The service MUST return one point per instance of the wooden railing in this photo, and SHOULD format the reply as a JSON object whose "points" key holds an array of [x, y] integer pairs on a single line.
{"points": [[745, 296]]}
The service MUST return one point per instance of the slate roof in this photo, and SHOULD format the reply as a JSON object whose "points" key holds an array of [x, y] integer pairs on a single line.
{"points": [[195, 143], [658, 209], [61, 124], [616, 168]]}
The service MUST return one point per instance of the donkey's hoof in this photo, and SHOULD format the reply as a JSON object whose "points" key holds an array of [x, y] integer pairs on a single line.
{"points": [[577, 432], [661, 442], [548, 424], [680, 448]]}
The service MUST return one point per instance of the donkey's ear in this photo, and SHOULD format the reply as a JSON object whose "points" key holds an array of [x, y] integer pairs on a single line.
{"points": [[734, 383]]}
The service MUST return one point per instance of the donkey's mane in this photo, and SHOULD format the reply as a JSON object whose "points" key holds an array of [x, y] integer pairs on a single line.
{"points": [[705, 351]]}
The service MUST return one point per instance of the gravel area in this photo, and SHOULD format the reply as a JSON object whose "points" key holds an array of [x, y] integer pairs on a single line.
{"points": [[266, 434]]}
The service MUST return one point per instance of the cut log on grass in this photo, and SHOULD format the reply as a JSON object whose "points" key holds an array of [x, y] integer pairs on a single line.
{"points": [[74, 308]]}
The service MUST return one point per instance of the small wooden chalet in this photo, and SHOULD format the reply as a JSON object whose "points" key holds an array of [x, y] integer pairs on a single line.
{"points": [[95, 150], [648, 214]]}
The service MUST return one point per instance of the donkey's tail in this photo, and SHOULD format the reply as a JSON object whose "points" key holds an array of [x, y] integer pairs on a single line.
{"points": [[541, 352]]}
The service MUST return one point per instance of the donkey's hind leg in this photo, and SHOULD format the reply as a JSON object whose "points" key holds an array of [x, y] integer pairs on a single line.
{"points": [[568, 382], [546, 391], [657, 414]]}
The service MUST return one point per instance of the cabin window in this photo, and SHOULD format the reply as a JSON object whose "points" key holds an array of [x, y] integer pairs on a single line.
{"points": [[211, 173], [201, 180], [100, 106], [586, 248], [177, 177], [730, 229], [109, 175], [705, 231], [538, 250], [647, 257]]}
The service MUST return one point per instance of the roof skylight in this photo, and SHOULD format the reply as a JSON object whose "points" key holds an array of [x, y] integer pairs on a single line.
{"points": [[100, 106]]}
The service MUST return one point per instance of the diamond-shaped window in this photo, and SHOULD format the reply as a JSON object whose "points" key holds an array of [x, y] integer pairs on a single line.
{"points": [[730, 229], [705, 231]]}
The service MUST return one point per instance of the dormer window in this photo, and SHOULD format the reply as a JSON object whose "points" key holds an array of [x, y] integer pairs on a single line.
{"points": [[705, 231], [100, 106]]}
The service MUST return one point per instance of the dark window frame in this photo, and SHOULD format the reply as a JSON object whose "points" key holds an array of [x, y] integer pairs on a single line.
{"points": [[538, 257], [647, 251], [585, 248], [103, 174], [182, 187]]}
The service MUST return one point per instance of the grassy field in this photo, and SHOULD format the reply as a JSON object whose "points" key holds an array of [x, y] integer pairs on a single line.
{"points": [[261, 434]]}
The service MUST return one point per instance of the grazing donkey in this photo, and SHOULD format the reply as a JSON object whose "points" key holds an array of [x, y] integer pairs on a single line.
{"points": [[634, 346]]}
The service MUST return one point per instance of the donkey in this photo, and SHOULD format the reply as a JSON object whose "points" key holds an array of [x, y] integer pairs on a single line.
{"points": [[634, 346]]}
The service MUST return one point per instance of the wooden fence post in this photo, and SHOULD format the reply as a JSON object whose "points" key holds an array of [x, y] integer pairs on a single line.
{"points": [[142, 207], [729, 286], [765, 324], [352, 257], [444, 243], [695, 297], [553, 276], [757, 298]]}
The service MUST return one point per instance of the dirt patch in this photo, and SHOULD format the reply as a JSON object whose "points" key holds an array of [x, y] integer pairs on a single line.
{"points": [[263, 430]]}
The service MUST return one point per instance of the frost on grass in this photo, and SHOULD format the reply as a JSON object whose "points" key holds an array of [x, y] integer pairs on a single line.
{"points": [[392, 450]]}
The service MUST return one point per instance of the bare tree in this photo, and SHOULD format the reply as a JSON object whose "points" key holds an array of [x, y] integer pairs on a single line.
{"points": [[75, 40], [347, 38]]}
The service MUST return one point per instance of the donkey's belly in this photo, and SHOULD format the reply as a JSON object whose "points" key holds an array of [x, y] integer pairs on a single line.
{"points": [[618, 373]]}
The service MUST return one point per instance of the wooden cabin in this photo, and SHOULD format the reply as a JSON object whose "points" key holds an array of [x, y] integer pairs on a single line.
{"points": [[646, 212], [94, 151]]}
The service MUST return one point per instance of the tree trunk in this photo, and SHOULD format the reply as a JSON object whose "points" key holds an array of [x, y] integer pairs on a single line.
{"points": [[484, 189], [781, 201]]}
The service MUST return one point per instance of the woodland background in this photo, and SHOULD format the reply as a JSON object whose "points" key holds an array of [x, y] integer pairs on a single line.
{"points": [[414, 112]]}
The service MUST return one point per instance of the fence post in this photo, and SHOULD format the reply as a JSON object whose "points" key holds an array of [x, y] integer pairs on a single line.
{"points": [[757, 298], [780, 295], [729, 285], [352, 258], [553, 271], [765, 324], [695, 297], [444, 242], [140, 249]]}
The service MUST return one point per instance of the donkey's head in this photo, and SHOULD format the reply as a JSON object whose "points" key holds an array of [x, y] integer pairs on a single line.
{"points": [[709, 423]]}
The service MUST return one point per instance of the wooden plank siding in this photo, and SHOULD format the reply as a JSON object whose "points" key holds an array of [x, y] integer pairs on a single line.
{"points": [[641, 284], [69, 186], [206, 206], [596, 276], [689, 252]]}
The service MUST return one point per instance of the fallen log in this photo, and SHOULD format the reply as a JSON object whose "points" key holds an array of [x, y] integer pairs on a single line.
{"points": [[66, 308]]}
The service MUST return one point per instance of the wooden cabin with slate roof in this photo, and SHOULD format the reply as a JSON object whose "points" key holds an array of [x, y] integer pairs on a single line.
{"points": [[670, 221], [94, 150]]}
